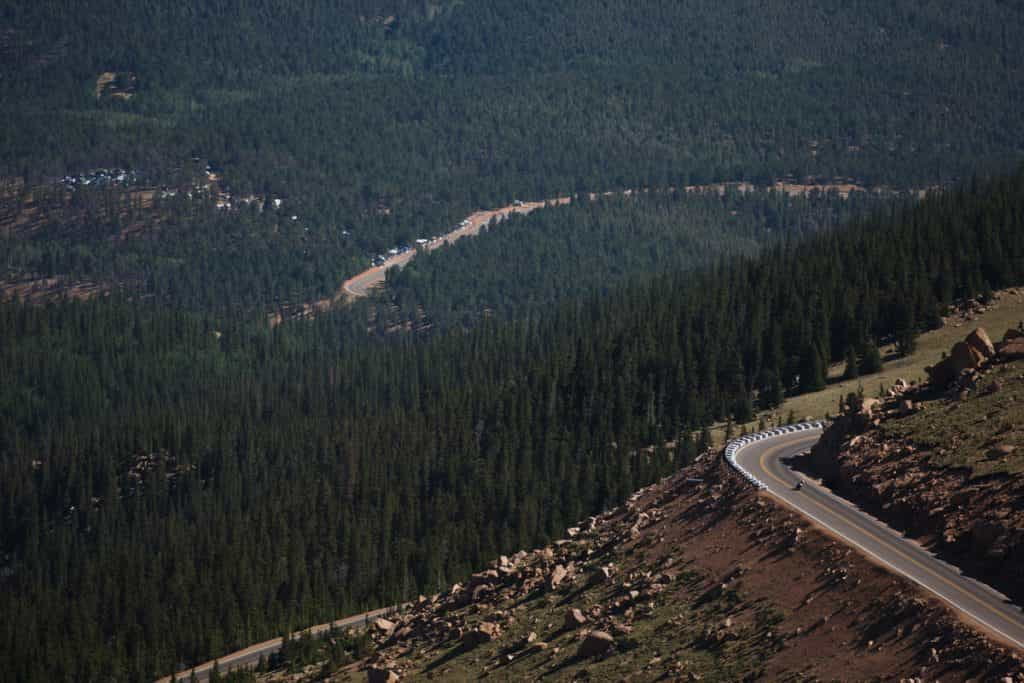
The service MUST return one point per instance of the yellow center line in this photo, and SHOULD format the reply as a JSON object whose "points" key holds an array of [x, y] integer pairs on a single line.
{"points": [[888, 544]]}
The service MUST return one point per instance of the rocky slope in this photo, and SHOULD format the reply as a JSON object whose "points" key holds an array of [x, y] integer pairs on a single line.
{"points": [[944, 462], [698, 577]]}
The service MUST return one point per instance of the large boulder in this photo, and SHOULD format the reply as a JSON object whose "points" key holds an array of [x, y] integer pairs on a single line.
{"points": [[595, 643], [490, 629], [377, 674], [485, 632], [385, 626], [1012, 349], [1002, 450], [599, 576], [574, 618], [984, 534], [557, 576], [530, 638], [963, 357], [869, 405], [488, 576], [979, 341]]}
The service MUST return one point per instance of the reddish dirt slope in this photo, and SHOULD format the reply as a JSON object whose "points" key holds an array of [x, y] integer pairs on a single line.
{"points": [[706, 580]]}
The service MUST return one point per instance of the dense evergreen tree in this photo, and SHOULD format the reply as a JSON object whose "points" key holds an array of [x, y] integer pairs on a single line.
{"points": [[905, 330], [173, 485], [870, 359], [178, 479], [377, 123], [527, 264], [852, 370], [812, 370]]}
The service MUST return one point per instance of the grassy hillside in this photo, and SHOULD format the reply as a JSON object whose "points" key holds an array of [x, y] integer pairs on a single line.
{"points": [[1006, 310]]}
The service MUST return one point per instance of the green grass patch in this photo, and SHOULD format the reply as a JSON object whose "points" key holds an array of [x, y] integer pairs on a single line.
{"points": [[975, 433], [930, 347], [672, 632]]}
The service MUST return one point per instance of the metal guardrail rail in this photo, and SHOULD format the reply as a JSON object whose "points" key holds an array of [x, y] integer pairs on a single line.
{"points": [[736, 445]]}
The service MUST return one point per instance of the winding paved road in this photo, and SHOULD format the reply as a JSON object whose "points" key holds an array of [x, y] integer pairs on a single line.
{"points": [[250, 656], [765, 461]]}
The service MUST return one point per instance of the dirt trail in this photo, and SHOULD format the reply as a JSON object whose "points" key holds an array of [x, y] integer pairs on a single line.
{"points": [[361, 284]]}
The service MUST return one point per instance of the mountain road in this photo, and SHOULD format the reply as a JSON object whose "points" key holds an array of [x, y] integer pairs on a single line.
{"points": [[764, 461]]}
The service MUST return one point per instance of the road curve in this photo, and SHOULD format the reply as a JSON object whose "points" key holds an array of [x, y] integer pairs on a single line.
{"points": [[763, 459], [250, 656]]}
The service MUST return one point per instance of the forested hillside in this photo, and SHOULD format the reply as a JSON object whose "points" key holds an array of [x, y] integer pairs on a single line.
{"points": [[172, 487], [243, 264], [178, 478], [568, 253], [390, 120]]}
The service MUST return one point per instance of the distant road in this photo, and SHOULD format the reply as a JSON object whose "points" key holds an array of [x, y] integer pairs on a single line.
{"points": [[765, 461], [361, 284], [250, 656]]}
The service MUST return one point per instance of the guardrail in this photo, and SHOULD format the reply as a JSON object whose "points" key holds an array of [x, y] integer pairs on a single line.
{"points": [[736, 445]]}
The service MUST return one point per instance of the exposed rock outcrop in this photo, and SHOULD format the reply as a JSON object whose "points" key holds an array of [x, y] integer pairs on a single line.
{"points": [[979, 341], [681, 561], [485, 632], [1012, 349], [557, 576], [962, 357], [380, 675], [974, 522], [595, 643], [385, 626]]}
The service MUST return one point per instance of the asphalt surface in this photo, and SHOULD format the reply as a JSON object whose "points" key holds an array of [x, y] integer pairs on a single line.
{"points": [[765, 462], [250, 656]]}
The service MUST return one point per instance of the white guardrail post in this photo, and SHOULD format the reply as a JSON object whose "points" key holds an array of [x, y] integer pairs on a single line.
{"points": [[733, 448]]}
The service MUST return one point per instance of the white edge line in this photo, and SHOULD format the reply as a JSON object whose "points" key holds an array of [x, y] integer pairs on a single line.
{"points": [[901, 572], [735, 446]]}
